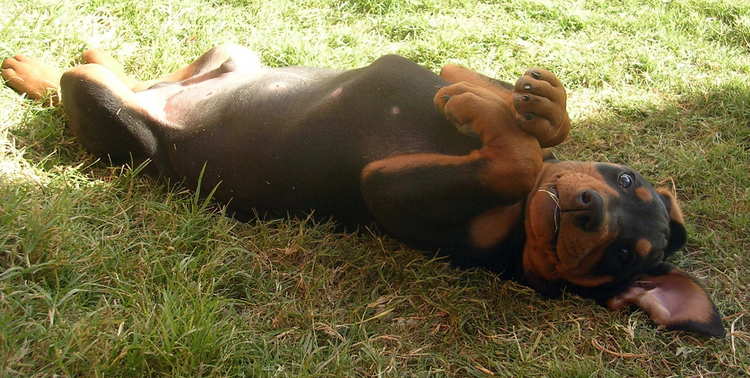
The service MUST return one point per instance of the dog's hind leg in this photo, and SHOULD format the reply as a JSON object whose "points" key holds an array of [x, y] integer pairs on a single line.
{"points": [[227, 57], [39, 81], [106, 116], [99, 98], [31, 78], [101, 108]]}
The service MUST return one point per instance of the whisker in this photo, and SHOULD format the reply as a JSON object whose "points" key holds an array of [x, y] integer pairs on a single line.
{"points": [[557, 203]]}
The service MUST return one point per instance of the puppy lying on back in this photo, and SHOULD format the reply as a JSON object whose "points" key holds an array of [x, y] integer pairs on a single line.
{"points": [[454, 162]]}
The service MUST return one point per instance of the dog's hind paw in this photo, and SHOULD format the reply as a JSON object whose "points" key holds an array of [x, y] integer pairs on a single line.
{"points": [[27, 76]]}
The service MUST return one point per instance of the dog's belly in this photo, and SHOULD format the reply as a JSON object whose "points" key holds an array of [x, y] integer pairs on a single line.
{"points": [[297, 138]]}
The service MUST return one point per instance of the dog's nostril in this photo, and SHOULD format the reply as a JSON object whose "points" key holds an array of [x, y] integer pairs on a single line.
{"points": [[585, 197], [589, 212]]}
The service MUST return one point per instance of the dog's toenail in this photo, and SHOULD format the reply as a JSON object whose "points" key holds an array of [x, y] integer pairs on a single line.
{"points": [[536, 75], [528, 116], [527, 87], [446, 97]]}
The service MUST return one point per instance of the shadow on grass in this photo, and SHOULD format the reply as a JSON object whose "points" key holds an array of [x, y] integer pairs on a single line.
{"points": [[629, 129]]}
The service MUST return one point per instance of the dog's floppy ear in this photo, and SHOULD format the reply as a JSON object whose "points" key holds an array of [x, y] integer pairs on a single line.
{"points": [[673, 299], [677, 232]]}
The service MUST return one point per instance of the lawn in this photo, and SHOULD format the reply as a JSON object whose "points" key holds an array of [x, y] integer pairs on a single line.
{"points": [[106, 272]]}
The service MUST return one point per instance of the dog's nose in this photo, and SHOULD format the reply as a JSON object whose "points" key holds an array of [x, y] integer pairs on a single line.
{"points": [[591, 210]]}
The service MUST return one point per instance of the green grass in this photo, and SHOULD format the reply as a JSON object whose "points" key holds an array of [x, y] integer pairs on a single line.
{"points": [[105, 272]]}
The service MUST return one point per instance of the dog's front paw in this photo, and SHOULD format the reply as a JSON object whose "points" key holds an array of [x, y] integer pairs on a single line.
{"points": [[471, 107], [539, 100]]}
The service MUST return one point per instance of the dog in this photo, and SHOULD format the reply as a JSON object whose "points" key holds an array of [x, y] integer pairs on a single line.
{"points": [[456, 162]]}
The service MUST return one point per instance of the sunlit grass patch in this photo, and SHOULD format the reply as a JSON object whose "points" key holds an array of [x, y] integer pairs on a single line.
{"points": [[106, 272]]}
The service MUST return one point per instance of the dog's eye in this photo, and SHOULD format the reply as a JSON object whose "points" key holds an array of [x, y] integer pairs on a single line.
{"points": [[625, 180]]}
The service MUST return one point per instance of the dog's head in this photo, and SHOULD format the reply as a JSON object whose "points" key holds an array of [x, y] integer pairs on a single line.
{"points": [[603, 231]]}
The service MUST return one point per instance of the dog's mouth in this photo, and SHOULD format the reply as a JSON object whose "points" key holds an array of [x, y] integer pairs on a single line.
{"points": [[557, 211], [556, 214]]}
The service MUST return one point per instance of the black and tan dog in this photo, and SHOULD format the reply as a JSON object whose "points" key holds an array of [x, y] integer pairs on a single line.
{"points": [[452, 162]]}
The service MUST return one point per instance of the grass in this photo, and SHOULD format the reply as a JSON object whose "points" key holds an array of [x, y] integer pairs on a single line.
{"points": [[105, 272]]}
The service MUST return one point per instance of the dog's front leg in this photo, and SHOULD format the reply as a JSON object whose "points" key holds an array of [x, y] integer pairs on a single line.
{"points": [[434, 200]]}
